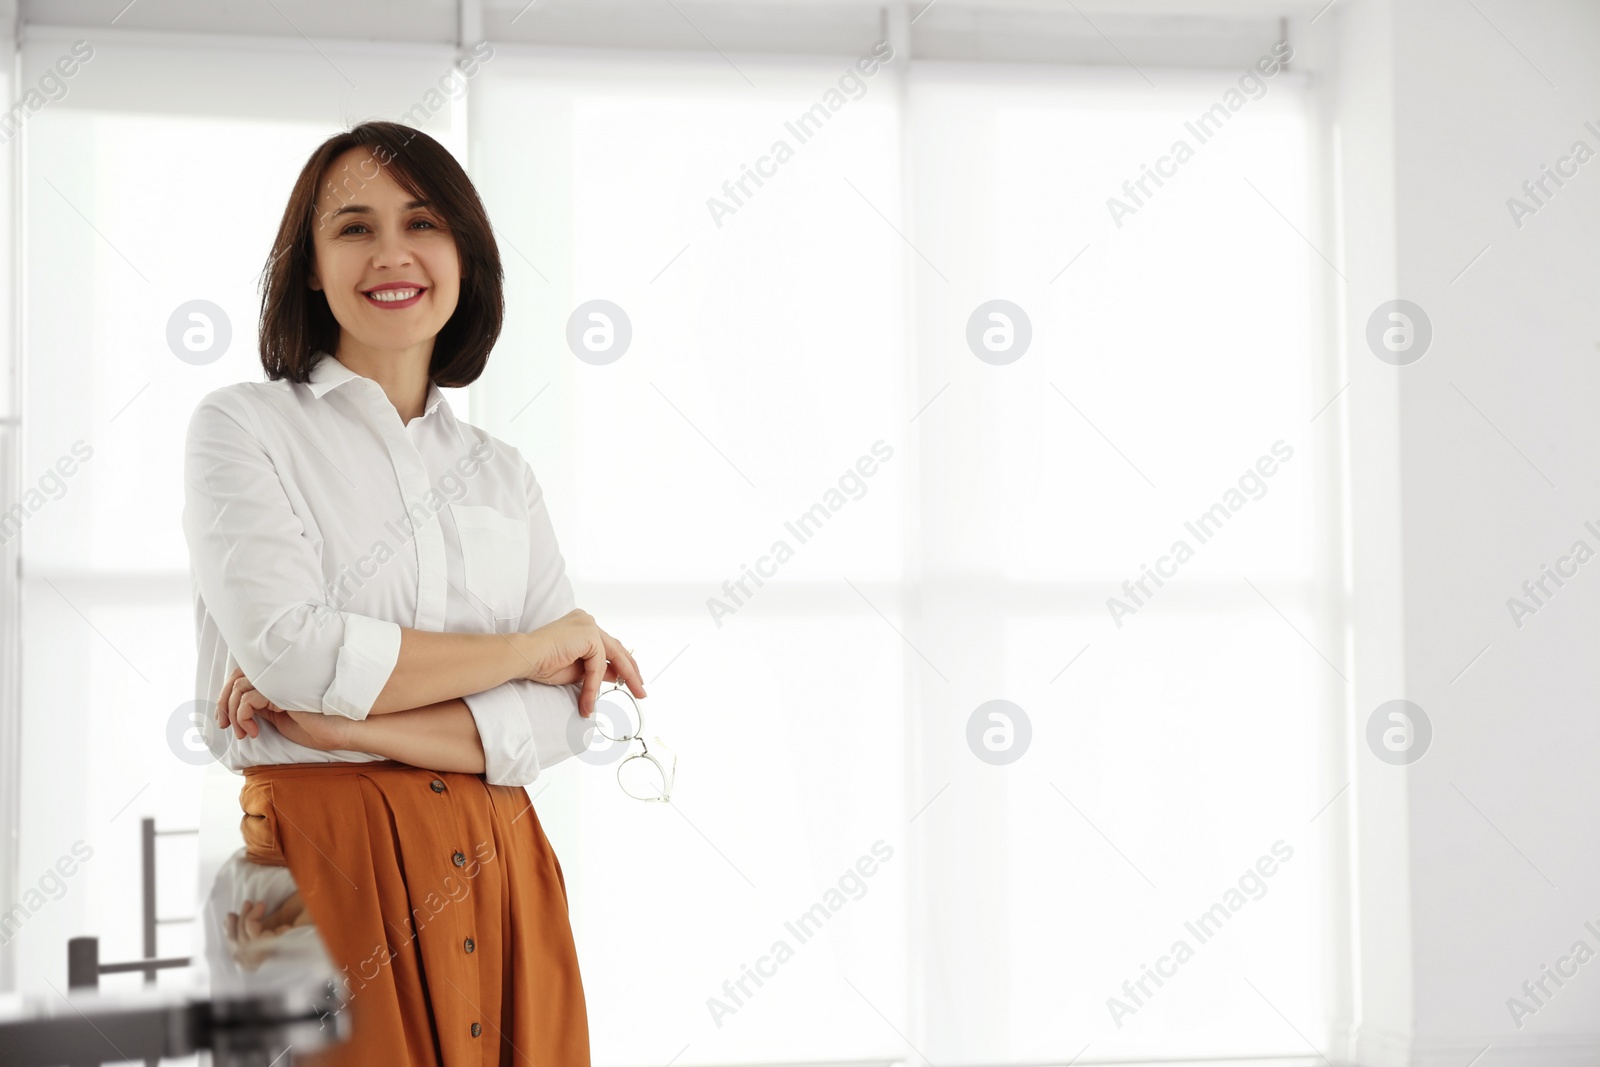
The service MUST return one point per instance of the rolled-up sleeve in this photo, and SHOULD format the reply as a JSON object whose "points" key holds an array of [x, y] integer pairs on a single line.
{"points": [[524, 725], [262, 581]]}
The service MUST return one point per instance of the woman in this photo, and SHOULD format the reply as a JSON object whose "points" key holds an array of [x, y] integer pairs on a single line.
{"points": [[382, 608]]}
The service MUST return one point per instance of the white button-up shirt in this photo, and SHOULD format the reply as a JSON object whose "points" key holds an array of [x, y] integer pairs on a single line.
{"points": [[319, 524]]}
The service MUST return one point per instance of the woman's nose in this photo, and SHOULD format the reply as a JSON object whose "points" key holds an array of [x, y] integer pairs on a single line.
{"points": [[392, 250]]}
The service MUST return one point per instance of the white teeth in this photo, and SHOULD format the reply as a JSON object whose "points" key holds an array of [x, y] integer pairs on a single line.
{"points": [[389, 296]]}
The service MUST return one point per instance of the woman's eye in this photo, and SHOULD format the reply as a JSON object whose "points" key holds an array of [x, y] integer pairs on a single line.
{"points": [[361, 226]]}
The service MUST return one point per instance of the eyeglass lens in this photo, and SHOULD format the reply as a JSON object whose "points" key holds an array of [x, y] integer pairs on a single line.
{"points": [[641, 778], [617, 716]]}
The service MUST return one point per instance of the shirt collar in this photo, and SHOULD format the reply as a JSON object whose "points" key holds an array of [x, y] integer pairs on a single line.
{"points": [[328, 373]]}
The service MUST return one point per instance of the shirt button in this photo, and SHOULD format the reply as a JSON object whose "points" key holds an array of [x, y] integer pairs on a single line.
{"points": [[468, 945], [476, 1029], [438, 786], [459, 860]]}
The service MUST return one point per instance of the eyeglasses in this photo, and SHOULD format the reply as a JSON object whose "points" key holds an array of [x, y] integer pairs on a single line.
{"points": [[642, 775]]}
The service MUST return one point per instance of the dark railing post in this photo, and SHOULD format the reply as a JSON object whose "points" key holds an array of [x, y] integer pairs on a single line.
{"points": [[147, 848], [147, 845], [83, 963]]}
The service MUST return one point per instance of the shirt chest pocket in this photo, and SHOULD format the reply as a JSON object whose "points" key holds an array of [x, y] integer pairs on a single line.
{"points": [[494, 553]]}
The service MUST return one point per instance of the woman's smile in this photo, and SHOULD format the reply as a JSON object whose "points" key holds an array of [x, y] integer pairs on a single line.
{"points": [[392, 295]]}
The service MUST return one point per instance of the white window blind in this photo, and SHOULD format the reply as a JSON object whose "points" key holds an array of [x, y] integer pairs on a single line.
{"points": [[767, 358], [1171, 751]]}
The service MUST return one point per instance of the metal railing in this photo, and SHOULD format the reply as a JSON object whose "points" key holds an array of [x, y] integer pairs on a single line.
{"points": [[83, 953]]}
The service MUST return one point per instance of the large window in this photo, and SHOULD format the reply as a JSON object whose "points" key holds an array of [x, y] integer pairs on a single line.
{"points": [[1096, 543], [814, 356], [767, 357]]}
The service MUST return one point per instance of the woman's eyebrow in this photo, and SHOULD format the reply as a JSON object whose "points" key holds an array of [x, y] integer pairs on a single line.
{"points": [[362, 209]]}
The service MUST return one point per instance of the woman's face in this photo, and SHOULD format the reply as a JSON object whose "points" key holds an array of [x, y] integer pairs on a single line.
{"points": [[387, 263]]}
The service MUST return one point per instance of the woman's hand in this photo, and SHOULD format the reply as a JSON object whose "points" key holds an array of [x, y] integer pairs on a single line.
{"points": [[313, 729], [243, 707], [239, 704], [253, 934], [574, 647]]}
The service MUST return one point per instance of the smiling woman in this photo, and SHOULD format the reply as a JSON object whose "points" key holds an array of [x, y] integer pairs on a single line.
{"points": [[345, 257], [447, 274], [394, 727]]}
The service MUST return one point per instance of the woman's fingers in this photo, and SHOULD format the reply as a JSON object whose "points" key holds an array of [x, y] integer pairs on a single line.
{"points": [[245, 716], [253, 911], [612, 663], [580, 651], [627, 670], [241, 704], [236, 710], [238, 705], [283, 916], [223, 719], [594, 672], [250, 708], [637, 673]]}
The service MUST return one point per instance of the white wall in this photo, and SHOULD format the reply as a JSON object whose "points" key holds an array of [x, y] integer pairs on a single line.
{"points": [[10, 448], [1473, 870]]}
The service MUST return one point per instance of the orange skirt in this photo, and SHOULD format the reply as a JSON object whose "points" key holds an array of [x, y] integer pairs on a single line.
{"points": [[441, 904]]}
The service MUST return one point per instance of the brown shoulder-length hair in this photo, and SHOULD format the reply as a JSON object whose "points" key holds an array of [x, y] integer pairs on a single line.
{"points": [[296, 322]]}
